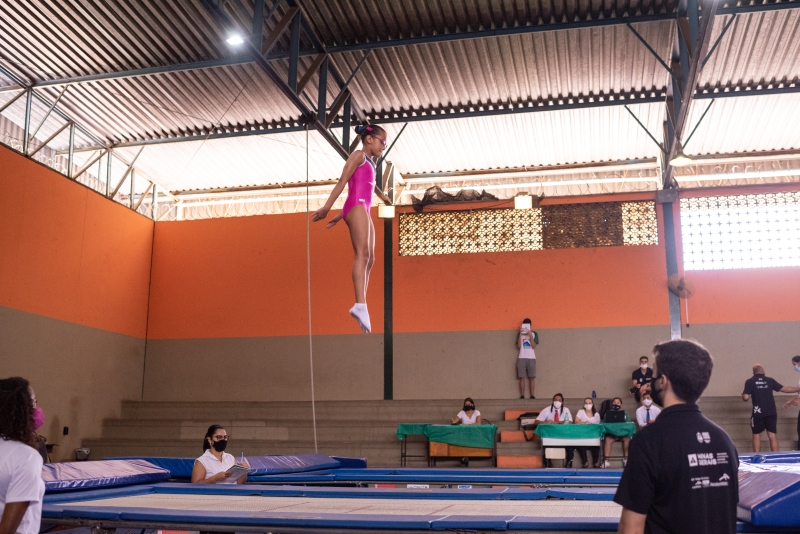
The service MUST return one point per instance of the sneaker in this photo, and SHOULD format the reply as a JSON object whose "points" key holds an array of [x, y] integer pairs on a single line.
{"points": [[522, 396], [605, 465], [624, 462], [532, 397]]}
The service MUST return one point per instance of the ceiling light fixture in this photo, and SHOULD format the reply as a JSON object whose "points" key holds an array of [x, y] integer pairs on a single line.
{"points": [[234, 39], [680, 159]]}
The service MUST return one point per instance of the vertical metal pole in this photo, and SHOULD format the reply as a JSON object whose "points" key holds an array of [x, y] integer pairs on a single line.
{"points": [[346, 119], [154, 203], [27, 125], [108, 173], [133, 185], [322, 98], [388, 329], [672, 268], [71, 153], [294, 51]]}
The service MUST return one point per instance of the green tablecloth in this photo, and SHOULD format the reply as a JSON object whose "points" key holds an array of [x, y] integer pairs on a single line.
{"points": [[411, 429], [481, 436], [620, 429], [572, 431]]}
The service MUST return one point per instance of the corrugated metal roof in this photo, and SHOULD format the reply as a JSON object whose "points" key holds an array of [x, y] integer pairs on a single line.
{"points": [[46, 40], [749, 124], [758, 48]]}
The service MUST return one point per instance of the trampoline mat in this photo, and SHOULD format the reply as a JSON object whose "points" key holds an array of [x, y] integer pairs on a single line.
{"points": [[400, 507]]}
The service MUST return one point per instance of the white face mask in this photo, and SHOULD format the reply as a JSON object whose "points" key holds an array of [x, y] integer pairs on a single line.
{"points": [[587, 406], [648, 402], [557, 405], [642, 366]]}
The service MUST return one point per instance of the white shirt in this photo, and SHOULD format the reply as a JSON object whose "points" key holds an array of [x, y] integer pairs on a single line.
{"points": [[526, 345], [641, 414], [581, 416], [548, 414], [468, 420], [214, 466], [21, 481]]}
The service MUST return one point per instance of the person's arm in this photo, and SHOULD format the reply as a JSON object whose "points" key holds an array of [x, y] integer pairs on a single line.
{"points": [[479, 421], [745, 397], [12, 516], [789, 389], [747, 391], [792, 402], [534, 339], [631, 523], [243, 479], [353, 162], [199, 475], [455, 420], [640, 418]]}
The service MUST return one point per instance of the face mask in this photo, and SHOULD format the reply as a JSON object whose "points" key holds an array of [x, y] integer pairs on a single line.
{"points": [[643, 367], [657, 393], [467, 407], [557, 405], [615, 406], [797, 368], [38, 418], [648, 402], [588, 406], [220, 445]]}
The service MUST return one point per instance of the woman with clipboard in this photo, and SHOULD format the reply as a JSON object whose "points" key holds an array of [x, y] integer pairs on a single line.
{"points": [[216, 466]]}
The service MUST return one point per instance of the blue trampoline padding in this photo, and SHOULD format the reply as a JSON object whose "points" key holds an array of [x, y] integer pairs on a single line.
{"points": [[406, 493], [471, 522], [56, 499], [325, 475], [768, 495], [351, 463], [583, 494], [70, 476], [592, 480], [278, 464], [524, 494], [597, 524], [178, 467]]}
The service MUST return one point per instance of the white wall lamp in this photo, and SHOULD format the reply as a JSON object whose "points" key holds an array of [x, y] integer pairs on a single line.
{"points": [[523, 202], [385, 211]]}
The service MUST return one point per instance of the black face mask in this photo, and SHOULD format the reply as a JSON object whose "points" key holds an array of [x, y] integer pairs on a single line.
{"points": [[657, 394], [615, 407], [220, 445], [467, 407]]}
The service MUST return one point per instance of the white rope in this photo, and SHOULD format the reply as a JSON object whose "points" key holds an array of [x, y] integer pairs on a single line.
{"points": [[308, 265]]}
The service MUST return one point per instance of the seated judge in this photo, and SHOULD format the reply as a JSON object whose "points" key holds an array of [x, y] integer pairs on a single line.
{"points": [[214, 465], [555, 413], [616, 405], [469, 415], [646, 413], [587, 416]]}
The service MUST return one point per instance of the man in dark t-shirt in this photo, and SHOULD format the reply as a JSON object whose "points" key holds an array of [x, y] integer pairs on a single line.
{"points": [[641, 378], [681, 475], [760, 388]]}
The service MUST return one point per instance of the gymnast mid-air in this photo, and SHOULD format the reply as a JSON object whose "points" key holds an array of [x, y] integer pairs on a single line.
{"points": [[359, 174]]}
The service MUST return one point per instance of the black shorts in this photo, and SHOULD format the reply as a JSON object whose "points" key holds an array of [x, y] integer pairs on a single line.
{"points": [[766, 422]]}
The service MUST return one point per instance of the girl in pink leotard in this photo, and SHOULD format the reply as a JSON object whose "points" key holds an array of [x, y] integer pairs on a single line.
{"points": [[359, 175]]}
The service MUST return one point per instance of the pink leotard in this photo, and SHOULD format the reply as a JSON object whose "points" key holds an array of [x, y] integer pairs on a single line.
{"points": [[360, 187]]}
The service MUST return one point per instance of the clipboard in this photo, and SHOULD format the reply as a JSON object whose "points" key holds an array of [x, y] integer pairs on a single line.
{"points": [[236, 473]]}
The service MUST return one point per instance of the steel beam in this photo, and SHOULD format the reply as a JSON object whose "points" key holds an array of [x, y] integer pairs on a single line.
{"points": [[14, 87], [141, 198], [44, 143], [89, 164], [7, 104], [317, 63], [71, 153], [49, 111], [125, 175], [108, 171], [346, 114], [690, 48], [133, 186], [294, 53], [27, 121]]}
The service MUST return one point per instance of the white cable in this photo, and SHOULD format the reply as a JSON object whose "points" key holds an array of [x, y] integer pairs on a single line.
{"points": [[308, 264]]}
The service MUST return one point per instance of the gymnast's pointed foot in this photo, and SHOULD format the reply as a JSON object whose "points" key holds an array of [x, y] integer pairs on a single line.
{"points": [[360, 314]]}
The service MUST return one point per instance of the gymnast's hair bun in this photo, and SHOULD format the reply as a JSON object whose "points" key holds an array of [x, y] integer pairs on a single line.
{"points": [[362, 128]]}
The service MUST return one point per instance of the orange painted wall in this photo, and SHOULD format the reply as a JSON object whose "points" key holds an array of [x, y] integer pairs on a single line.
{"points": [[68, 253], [570, 288], [246, 277]]}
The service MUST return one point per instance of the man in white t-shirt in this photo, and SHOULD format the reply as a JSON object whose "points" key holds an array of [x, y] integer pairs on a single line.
{"points": [[796, 401], [646, 413], [527, 340]]}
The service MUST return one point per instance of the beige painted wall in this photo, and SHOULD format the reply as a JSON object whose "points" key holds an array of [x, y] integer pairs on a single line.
{"points": [[346, 367], [80, 374]]}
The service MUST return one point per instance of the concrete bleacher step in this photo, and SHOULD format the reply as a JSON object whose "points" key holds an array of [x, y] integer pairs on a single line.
{"points": [[508, 436], [359, 428], [520, 462]]}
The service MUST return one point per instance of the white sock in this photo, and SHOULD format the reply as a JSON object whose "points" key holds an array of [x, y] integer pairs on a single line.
{"points": [[360, 314]]}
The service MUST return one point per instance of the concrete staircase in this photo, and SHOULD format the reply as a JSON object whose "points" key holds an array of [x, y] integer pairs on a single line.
{"points": [[356, 428]]}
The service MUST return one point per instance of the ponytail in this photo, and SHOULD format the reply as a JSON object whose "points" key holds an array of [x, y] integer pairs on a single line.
{"points": [[363, 130]]}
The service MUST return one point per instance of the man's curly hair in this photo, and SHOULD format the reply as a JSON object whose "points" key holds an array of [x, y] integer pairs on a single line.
{"points": [[16, 410]]}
